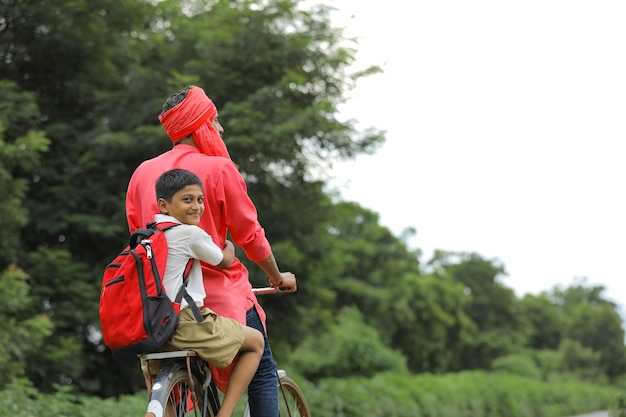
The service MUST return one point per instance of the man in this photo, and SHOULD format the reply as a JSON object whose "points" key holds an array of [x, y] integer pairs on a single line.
{"points": [[190, 119]]}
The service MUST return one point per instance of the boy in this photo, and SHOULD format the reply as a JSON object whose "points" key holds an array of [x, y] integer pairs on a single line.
{"points": [[217, 339]]}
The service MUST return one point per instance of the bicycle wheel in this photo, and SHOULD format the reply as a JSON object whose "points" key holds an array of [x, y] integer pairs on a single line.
{"points": [[291, 401], [174, 394]]}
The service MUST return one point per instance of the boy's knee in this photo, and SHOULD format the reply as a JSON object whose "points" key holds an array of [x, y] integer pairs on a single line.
{"points": [[253, 342], [258, 341]]}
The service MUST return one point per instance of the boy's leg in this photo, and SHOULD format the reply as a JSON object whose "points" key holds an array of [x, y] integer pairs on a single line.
{"points": [[263, 390], [243, 371]]}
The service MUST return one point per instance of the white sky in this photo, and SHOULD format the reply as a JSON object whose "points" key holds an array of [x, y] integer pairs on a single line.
{"points": [[505, 129]]}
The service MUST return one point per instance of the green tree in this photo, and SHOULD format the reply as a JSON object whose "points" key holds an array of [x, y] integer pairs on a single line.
{"points": [[21, 148], [100, 72], [594, 322], [22, 328], [500, 327], [430, 326], [546, 322], [369, 262], [22, 331], [578, 361], [361, 265]]}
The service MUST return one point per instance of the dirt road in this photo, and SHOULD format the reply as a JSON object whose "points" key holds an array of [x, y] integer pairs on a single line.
{"points": [[595, 414]]}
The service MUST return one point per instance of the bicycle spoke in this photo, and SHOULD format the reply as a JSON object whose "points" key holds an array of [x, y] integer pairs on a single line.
{"points": [[291, 400]]}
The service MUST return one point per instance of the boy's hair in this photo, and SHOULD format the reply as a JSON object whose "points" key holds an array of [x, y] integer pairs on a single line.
{"points": [[174, 180], [175, 99]]}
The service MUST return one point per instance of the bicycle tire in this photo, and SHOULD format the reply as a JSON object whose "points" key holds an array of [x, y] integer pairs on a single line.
{"points": [[171, 385], [291, 401]]}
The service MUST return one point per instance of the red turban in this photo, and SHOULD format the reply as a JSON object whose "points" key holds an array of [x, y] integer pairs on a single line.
{"points": [[194, 116]]}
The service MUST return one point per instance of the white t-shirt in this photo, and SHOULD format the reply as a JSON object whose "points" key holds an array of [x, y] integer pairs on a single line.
{"points": [[184, 242]]}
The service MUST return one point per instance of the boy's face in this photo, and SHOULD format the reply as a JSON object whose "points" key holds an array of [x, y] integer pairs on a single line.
{"points": [[187, 205]]}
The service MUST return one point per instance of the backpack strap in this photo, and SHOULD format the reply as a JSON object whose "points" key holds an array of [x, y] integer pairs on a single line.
{"points": [[145, 232], [163, 226], [139, 235], [182, 293]]}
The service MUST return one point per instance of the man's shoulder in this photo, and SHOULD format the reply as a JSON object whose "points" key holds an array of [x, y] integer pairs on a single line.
{"points": [[199, 162], [191, 152], [187, 157]]}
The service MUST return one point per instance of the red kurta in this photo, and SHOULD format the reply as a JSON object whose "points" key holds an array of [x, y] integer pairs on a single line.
{"points": [[228, 208]]}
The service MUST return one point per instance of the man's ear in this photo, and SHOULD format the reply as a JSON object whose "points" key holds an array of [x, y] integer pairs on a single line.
{"points": [[163, 206]]}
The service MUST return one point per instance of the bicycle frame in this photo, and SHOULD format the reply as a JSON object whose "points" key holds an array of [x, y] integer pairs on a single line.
{"points": [[197, 370], [186, 368]]}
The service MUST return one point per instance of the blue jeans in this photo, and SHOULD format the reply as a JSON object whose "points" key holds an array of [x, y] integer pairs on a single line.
{"points": [[262, 391]]}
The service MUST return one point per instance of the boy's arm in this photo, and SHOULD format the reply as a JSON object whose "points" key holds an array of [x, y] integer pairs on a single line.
{"points": [[202, 247], [229, 255]]}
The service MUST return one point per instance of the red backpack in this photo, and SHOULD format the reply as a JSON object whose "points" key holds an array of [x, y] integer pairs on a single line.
{"points": [[136, 316]]}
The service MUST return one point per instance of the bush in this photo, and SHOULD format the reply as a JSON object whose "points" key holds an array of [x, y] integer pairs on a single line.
{"points": [[579, 361], [516, 364], [20, 399], [350, 347], [475, 393]]}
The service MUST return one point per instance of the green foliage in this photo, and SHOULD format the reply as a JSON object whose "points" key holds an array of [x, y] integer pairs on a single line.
{"points": [[546, 322], [72, 311], [595, 323], [476, 393], [571, 361], [517, 364], [579, 361], [620, 410], [548, 361], [500, 327], [20, 152], [428, 321], [101, 71], [81, 84], [22, 330], [470, 393], [349, 347], [21, 399]]}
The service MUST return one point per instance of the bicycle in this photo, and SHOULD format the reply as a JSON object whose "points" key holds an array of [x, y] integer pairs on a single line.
{"points": [[184, 386]]}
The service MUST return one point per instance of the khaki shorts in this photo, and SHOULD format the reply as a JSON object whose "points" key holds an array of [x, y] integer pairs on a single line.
{"points": [[217, 339]]}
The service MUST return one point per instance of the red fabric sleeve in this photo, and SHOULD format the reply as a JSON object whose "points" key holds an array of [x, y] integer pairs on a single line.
{"points": [[242, 221]]}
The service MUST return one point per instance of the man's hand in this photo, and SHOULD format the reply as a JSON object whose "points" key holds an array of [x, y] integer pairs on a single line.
{"points": [[289, 282], [285, 281]]}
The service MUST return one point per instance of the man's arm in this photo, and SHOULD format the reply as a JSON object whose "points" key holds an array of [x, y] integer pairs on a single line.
{"points": [[286, 281], [244, 228]]}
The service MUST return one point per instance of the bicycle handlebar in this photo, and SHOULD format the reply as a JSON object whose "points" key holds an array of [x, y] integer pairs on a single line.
{"points": [[265, 290]]}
